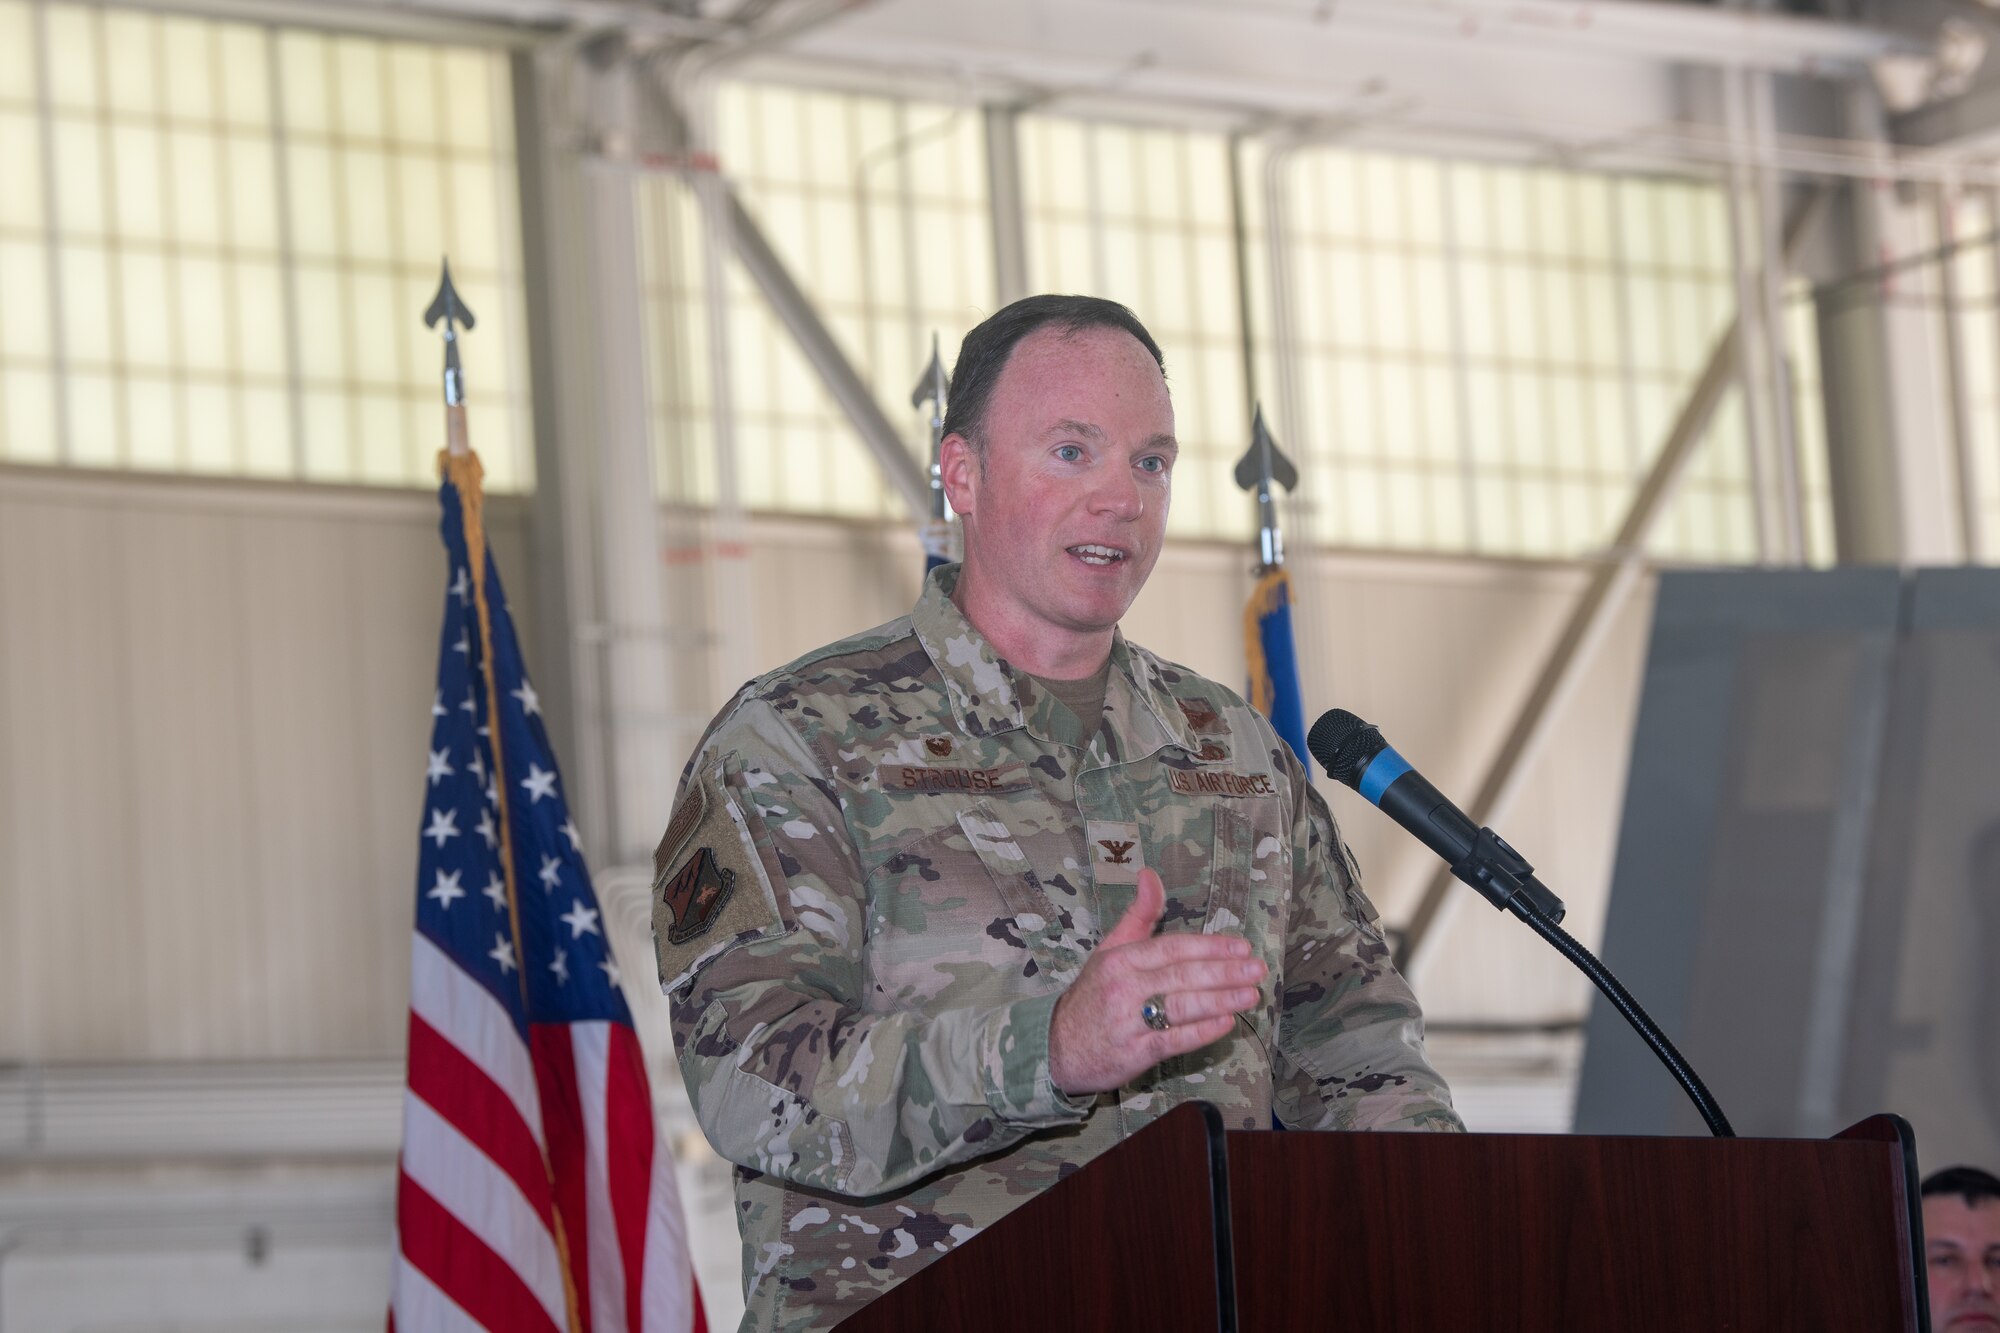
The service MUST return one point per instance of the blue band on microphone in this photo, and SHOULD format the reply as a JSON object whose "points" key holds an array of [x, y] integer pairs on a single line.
{"points": [[1382, 770]]}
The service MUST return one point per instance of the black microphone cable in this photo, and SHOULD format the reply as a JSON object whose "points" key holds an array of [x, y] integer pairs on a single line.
{"points": [[1354, 754]]}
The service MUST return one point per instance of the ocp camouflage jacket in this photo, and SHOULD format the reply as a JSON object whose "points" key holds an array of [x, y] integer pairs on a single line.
{"points": [[885, 863]]}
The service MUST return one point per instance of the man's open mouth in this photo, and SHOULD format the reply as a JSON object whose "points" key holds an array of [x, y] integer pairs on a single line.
{"points": [[1097, 555]]}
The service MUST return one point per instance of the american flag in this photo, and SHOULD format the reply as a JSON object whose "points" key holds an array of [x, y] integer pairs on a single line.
{"points": [[533, 1192]]}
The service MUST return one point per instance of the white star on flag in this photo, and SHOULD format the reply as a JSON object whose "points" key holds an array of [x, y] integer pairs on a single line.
{"points": [[580, 919], [477, 764], [444, 824], [502, 953], [560, 966], [551, 873], [568, 830], [437, 703], [470, 705], [439, 766], [485, 829], [461, 586], [496, 889], [540, 782], [446, 888], [492, 792], [464, 644], [530, 701], [610, 967]]}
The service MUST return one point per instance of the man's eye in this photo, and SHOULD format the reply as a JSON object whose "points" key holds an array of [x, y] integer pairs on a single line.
{"points": [[1153, 463], [1070, 453]]}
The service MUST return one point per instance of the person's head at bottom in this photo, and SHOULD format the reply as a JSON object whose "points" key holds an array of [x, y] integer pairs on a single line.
{"points": [[1962, 1249]]}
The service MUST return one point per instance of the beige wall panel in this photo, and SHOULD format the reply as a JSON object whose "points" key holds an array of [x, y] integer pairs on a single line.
{"points": [[214, 700], [817, 582], [70, 851], [330, 885], [189, 910]]}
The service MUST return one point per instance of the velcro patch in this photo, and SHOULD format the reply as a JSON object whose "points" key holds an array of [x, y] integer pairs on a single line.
{"points": [[1200, 714], [694, 895], [1202, 782], [686, 818], [1116, 853], [709, 889], [915, 777]]}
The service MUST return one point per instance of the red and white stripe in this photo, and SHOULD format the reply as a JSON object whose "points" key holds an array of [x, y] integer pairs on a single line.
{"points": [[502, 1139]]}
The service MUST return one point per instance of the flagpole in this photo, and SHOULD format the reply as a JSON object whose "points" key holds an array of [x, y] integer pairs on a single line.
{"points": [[459, 466], [1267, 618], [932, 388]]}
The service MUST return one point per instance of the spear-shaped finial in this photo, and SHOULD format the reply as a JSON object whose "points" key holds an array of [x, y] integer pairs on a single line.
{"points": [[447, 306], [931, 389], [1258, 470]]}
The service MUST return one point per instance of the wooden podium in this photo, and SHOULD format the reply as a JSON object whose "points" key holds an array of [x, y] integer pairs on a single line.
{"points": [[1186, 1228]]}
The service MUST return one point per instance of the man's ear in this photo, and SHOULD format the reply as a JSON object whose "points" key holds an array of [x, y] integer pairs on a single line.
{"points": [[958, 465]]}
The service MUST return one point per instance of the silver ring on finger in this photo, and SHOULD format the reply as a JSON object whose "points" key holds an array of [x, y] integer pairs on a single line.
{"points": [[1153, 1013]]}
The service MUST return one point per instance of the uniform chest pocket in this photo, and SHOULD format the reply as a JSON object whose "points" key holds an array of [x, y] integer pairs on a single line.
{"points": [[1048, 921], [1249, 874], [960, 907]]}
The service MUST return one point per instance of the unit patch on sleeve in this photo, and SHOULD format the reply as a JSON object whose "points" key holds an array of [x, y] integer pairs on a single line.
{"points": [[709, 888], [694, 894]]}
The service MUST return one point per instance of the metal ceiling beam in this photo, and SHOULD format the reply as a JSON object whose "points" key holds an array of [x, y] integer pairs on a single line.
{"points": [[795, 310], [1654, 30], [1968, 122], [509, 23]]}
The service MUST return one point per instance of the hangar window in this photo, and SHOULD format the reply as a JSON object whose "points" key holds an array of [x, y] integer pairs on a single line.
{"points": [[877, 206], [216, 239]]}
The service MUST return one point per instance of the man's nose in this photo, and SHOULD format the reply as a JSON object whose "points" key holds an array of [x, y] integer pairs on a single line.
{"points": [[1117, 493]]}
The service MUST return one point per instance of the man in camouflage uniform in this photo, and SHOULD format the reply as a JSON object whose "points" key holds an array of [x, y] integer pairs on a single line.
{"points": [[948, 908]]}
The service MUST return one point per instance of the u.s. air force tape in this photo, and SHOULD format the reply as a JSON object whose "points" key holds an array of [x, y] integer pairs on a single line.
{"points": [[1209, 782]]}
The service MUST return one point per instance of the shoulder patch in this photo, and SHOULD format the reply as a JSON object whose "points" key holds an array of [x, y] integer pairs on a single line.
{"points": [[687, 815], [694, 895], [1200, 714], [709, 890]]}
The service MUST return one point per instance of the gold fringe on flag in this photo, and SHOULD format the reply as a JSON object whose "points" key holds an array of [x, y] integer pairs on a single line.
{"points": [[1272, 593]]}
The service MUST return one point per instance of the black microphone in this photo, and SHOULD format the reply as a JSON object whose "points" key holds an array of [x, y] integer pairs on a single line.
{"points": [[1355, 754]]}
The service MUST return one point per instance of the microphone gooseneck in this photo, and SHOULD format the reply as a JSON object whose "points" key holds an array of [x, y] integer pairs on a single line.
{"points": [[1355, 755]]}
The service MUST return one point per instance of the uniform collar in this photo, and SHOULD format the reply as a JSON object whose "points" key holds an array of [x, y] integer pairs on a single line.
{"points": [[989, 696]]}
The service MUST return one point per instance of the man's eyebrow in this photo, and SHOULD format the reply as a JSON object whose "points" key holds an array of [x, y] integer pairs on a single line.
{"points": [[1166, 442], [1068, 427]]}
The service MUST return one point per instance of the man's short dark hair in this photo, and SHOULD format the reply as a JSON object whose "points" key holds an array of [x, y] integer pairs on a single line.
{"points": [[983, 354], [1967, 1182]]}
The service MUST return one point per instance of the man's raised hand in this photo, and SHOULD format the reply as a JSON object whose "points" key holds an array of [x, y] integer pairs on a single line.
{"points": [[1098, 1039]]}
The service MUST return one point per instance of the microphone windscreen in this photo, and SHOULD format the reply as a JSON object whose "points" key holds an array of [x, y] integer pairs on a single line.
{"points": [[1344, 745]]}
